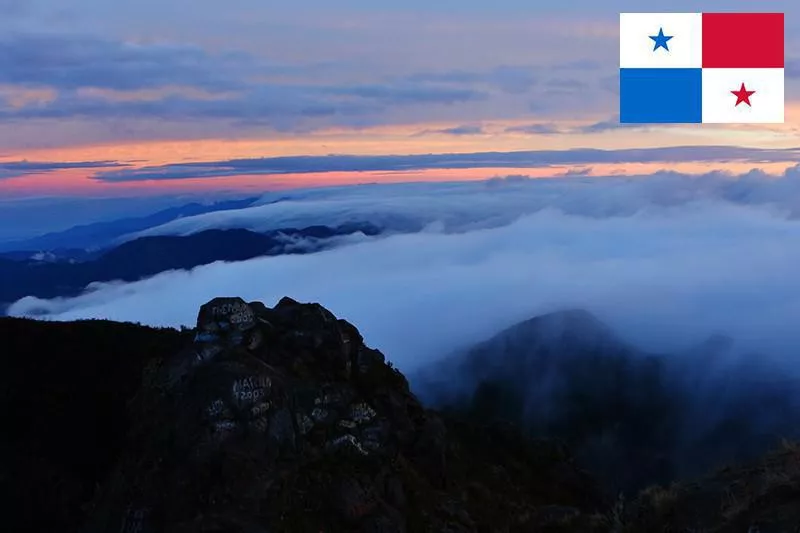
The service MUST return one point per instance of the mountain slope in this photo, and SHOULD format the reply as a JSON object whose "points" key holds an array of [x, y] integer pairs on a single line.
{"points": [[281, 419], [568, 376], [760, 497], [63, 410], [273, 419]]}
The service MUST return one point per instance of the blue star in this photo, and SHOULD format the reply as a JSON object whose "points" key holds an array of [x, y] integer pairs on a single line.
{"points": [[661, 40]]}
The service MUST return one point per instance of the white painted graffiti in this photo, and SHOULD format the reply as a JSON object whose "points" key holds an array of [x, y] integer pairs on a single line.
{"points": [[328, 399], [319, 414], [259, 410], [235, 312], [349, 439], [249, 395], [240, 318], [362, 412], [216, 408], [224, 426], [251, 389]]}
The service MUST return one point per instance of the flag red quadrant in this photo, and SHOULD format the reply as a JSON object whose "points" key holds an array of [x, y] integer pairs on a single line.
{"points": [[742, 40]]}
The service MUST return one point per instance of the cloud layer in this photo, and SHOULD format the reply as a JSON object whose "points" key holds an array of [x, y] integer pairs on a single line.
{"points": [[102, 73], [13, 169], [89, 79], [684, 259], [465, 206], [400, 163]]}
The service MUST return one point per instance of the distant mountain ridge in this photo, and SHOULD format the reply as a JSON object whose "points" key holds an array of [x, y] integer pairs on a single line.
{"points": [[99, 235], [148, 256]]}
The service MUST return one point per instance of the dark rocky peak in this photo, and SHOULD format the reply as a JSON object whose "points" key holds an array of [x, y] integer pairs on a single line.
{"points": [[305, 340], [567, 319], [717, 343], [528, 354], [281, 419], [568, 329], [280, 386], [564, 375]]}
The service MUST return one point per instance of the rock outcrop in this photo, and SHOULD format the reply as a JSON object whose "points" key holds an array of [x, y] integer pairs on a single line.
{"points": [[281, 419]]}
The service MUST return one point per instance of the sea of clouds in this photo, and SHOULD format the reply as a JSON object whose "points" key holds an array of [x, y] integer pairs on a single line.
{"points": [[463, 206], [666, 260]]}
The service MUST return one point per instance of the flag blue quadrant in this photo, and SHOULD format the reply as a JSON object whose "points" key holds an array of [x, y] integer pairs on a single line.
{"points": [[660, 95]]}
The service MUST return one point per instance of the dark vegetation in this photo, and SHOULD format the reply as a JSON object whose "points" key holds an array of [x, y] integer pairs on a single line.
{"points": [[65, 389], [119, 427]]}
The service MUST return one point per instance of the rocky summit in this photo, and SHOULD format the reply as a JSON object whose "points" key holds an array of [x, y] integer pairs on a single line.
{"points": [[281, 419]]}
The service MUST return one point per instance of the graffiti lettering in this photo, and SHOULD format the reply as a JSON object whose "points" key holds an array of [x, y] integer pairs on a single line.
{"points": [[259, 410], [216, 408], [236, 312], [223, 426], [362, 412], [251, 389], [319, 414]]}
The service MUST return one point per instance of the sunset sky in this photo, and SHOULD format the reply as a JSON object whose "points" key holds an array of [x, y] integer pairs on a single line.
{"points": [[142, 97]]}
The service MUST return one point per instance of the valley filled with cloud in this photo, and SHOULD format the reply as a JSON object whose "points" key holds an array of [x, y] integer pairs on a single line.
{"points": [[667, 260]]}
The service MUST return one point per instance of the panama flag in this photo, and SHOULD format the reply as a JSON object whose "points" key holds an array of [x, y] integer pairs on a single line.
{"points": [[701, 67]]}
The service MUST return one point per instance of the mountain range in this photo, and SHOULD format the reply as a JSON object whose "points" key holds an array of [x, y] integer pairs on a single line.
{"points": [[282, 419], [87, 238], [47, 277]]}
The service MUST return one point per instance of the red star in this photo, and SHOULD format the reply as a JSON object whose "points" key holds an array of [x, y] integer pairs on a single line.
{"points": [[743, 95]]}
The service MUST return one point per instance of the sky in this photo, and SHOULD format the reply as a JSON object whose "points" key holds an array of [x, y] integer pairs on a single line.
{"points": [[153, 97]]}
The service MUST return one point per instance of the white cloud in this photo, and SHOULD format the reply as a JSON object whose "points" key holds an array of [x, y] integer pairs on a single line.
{"points": [[666, 273], [479, 204]]}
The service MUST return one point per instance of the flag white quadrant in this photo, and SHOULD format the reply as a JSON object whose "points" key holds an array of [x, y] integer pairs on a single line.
{"points": [[766, 101], [682, 40]]}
